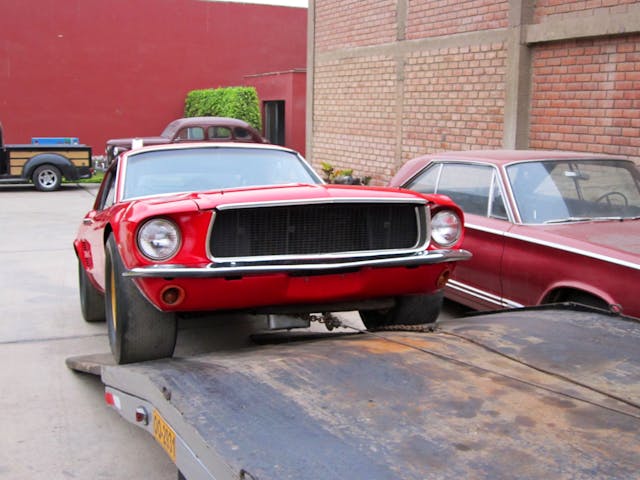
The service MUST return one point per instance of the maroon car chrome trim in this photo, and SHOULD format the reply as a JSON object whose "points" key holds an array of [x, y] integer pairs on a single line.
{"points": [[482, 228], [577, 251], [485, 296], [226, 270], [557, 246]]}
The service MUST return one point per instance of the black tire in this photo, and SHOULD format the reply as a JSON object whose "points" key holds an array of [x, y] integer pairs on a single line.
{"points": [[587, 299], [137, 330], [409, 310], [91, 300], [47, 178]]}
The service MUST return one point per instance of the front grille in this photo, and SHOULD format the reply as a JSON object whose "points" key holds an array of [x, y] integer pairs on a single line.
{"points": [[313, 229]]}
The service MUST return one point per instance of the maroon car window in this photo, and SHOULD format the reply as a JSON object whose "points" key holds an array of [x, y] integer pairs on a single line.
{"points": [[219, 133], [427, 180], [497, 208], [242, 134], [468, 185], [475, 188], [191, 133], [575, 190]]}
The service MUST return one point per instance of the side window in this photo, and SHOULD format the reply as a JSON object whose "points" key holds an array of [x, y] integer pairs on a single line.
{"points": [[219, 133], [496, 206], [468, 185], [190, 133], [107, 193], [242, 134], [427, 180]]}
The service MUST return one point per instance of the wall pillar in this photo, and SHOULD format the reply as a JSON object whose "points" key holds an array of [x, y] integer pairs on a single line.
{"points": [[518, 76]]}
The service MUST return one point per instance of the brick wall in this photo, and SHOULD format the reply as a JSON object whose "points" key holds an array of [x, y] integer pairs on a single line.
{"points": [[432, 18], [572, 8], [393, 80], [354, 125], [586, 96], [453, 99], [352, 23]]}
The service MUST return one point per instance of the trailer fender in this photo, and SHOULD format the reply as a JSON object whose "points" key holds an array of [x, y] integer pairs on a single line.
{"points": [[64, 164]]}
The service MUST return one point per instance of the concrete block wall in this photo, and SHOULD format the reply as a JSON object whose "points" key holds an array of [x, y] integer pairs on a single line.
{"points": [[391, 80]]}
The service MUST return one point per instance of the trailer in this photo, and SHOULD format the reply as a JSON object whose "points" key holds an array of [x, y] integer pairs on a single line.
{"points": [[535, 393]]}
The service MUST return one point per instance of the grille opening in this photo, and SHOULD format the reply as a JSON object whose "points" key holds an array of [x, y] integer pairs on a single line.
{"points": [[315, 229]]}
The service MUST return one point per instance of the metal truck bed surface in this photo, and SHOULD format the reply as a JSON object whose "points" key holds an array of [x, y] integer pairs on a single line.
{"points": [[539, 393]]}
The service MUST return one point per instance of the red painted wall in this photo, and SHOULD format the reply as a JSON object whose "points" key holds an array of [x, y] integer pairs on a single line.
{"points": [[97, 69], [291, 87]]}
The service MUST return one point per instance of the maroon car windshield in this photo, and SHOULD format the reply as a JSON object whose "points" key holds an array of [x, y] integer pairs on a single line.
{"points": [[215, 168], [555, 191]]}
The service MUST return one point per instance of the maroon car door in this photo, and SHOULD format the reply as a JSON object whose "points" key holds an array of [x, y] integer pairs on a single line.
{"points": [[477, 189], [477, 282]]}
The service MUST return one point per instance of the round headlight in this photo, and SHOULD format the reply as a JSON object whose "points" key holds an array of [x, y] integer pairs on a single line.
{"points": [[446, 228], [159, 239]]}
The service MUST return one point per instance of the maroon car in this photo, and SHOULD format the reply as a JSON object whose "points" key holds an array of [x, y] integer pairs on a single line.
{"points": [[543, 226], [191, 129]]}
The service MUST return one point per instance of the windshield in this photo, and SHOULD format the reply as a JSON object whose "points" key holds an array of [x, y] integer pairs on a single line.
{"points": [[556, 191], [202, 169]]}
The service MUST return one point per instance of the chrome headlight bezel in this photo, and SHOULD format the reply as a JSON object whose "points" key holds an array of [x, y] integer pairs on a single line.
{"points": [[158, 239], [446, 228]]}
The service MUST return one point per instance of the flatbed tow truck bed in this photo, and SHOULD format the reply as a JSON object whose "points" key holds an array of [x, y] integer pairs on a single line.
{"points": [[542, 393]]}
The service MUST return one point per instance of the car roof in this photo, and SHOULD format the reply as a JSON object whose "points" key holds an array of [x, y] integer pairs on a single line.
{"points": [[193, 121], [504, 156]]}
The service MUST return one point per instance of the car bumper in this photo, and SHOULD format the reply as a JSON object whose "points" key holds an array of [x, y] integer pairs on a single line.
{"points": [[251, 286], [234, 270]]}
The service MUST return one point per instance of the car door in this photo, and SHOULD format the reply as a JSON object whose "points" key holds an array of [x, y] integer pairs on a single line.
{"points": [[477, 189], [91, 233]]}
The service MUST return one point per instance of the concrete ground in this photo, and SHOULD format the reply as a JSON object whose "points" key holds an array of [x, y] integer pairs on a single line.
{"points": [[55, 423]]}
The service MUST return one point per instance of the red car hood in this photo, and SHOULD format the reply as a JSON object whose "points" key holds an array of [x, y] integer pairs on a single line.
{"points": [[617, 239], [182, 202], [287, 193]]}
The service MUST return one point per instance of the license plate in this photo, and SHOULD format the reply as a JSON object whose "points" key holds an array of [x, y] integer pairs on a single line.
{"points": [[164, 435]]}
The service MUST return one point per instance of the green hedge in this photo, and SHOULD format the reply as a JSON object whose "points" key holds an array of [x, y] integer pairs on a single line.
{"points": [[234, 102]]}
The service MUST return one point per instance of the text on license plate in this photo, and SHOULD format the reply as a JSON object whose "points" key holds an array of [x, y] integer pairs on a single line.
{"points": [[164, 435]]}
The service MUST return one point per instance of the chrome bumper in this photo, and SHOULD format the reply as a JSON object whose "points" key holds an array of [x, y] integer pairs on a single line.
{"points": [[234, 270]]}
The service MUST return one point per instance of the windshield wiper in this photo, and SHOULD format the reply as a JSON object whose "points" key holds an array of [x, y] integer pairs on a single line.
{"points": [[591, 219], [569, 220]]}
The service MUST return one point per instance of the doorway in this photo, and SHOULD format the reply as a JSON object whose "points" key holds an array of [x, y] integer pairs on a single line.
{"points": [[274, 122]]}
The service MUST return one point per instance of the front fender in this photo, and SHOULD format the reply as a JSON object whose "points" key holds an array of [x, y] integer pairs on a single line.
{"points": [[64, 164]]}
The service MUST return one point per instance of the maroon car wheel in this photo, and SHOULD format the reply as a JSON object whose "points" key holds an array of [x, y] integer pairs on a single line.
{"points": [[409, 310], [137, 330], [91, 301]]}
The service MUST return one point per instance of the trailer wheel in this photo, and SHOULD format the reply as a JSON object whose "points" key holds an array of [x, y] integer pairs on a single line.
{"points": [[91, 300], [47, 178], [409, 310], [137, 330]]}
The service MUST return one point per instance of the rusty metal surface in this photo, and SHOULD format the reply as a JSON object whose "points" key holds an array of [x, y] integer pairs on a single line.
{"points": [[595, 350], [404, 405], [91, 364]]}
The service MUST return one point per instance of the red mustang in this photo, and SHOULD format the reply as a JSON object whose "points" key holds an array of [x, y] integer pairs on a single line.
{"points": [[249, 227], [543, 226]]}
